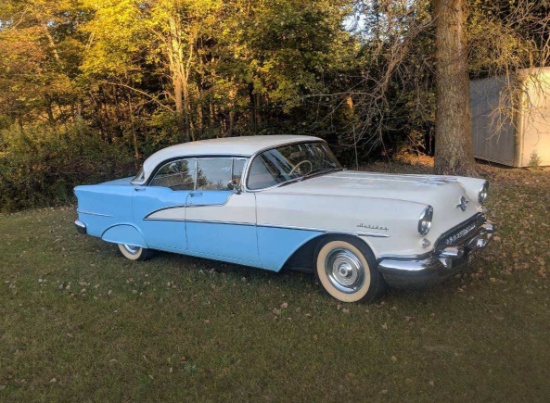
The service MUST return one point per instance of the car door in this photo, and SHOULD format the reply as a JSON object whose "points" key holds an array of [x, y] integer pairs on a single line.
{"points": [[220, 219], [159, 207]]}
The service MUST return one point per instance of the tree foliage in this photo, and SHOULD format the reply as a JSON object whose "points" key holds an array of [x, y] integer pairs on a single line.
{"points": [[136, 75]]}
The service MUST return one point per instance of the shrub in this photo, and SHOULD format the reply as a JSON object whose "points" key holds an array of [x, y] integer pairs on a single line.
{"points": [[40, 165]]}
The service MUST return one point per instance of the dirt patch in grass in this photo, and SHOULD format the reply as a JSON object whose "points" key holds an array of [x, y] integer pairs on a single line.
{"points": [[77, 321]]}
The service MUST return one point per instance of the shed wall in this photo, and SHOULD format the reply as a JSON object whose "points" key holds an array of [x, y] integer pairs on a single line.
{"points": [[535, 141], [493, 134]]}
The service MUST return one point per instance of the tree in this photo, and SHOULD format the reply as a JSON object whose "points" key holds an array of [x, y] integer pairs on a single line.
{"points": [[40, 57], [157, 38], [453, 151]]}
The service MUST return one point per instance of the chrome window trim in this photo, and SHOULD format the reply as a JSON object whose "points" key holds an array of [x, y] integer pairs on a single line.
{"points": [[196, 157], [147, 181], [163, 164], [246, 169], [139, 179]]}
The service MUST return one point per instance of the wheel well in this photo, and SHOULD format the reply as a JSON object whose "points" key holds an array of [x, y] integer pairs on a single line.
{"points": [[304, 257]]}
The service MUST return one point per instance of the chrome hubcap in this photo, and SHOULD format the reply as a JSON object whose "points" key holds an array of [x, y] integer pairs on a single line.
{"points": [[133, 250], [344, 270]]}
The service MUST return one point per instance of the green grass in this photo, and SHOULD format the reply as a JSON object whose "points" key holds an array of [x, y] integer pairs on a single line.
{"points": [[80, 323]]}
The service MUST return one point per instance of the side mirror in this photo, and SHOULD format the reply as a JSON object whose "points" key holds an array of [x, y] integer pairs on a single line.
{"points": [[232, 185]]}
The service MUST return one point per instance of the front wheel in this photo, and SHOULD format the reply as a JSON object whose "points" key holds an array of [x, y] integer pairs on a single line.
{"points": [[346, 268], [134, 252]]}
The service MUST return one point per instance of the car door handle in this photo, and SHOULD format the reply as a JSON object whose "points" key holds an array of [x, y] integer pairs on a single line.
{"points": [[139, 189], [195, 194]]}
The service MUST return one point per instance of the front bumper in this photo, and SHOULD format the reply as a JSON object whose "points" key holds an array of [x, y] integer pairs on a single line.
{"points": [[438, 265]]}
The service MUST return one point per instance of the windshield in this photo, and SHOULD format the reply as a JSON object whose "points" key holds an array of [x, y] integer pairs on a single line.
{"points": [[289, 163]]}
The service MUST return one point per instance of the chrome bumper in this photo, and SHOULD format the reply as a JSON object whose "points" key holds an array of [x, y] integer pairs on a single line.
{"points": [[80, 227], [437, 265]]}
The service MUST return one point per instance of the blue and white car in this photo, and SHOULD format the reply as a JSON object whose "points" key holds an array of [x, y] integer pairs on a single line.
{"points": [[284, 201]]}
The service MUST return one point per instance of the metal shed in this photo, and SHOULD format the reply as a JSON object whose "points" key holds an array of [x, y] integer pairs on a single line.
{"points": [[511, 118]]}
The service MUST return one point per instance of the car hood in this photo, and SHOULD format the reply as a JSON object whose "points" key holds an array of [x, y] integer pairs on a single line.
{"points": [[441, 192]]}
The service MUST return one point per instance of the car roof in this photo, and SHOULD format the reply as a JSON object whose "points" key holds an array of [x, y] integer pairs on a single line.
{"points": [[244, 146]]}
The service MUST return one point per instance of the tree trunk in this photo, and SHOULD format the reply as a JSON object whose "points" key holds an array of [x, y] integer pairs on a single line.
{"points": [[179, 79], [453, 134], [252, 103], [187, 109]]}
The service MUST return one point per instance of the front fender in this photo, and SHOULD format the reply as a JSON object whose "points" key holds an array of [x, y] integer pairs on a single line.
{"points": [[125, 234]]}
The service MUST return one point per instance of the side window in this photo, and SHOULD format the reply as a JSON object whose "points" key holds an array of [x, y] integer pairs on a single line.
{"points": [[213, 173], [263, 173], [238, 167], [177, 175]]}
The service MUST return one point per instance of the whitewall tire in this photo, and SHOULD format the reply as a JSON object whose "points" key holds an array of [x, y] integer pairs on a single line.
{"points": [[134, 252], [346, 268]]}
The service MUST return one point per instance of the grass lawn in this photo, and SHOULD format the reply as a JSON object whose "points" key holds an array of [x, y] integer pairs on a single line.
{"points": [[80, 323]]}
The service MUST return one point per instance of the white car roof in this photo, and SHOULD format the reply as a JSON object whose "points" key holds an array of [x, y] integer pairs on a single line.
{"points": [[245, 146]]}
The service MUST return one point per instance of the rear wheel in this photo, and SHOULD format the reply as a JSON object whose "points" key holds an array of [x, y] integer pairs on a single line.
{"points": [[346, 268], [134, 252]]}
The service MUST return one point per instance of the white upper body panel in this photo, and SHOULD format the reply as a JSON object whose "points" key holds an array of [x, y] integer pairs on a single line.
{"points": [[384, 207], [245, 146]]}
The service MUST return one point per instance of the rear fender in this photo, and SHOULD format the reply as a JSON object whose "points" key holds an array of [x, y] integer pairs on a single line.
{"points": [[124, 234]]}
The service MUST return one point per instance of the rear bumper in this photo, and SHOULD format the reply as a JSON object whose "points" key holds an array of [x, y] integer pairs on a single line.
{"points": [[80, 227], [438, 265]]}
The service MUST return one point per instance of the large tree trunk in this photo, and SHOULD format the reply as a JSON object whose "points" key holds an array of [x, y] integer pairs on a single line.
{"points": [[453, 134]]}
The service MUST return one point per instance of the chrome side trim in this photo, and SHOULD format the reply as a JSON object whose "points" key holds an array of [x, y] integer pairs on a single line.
{"points": [[162, 209], [203, 221], [324, 231], [222, 222], [94, 214], [372, 234], [185, 206], [335, 231], [204, 205]]}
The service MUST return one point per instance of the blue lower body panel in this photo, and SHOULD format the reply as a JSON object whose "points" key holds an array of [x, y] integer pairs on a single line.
{"points": [[165, 235], [220, 241], [266, 247], [277, 245]]}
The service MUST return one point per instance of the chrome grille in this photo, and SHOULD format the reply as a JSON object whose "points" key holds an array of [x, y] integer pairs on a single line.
{"points": [[461, 232]]}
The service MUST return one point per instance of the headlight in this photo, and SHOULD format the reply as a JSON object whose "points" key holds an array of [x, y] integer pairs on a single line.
{"points": [[425, 221], [483, 192]]}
